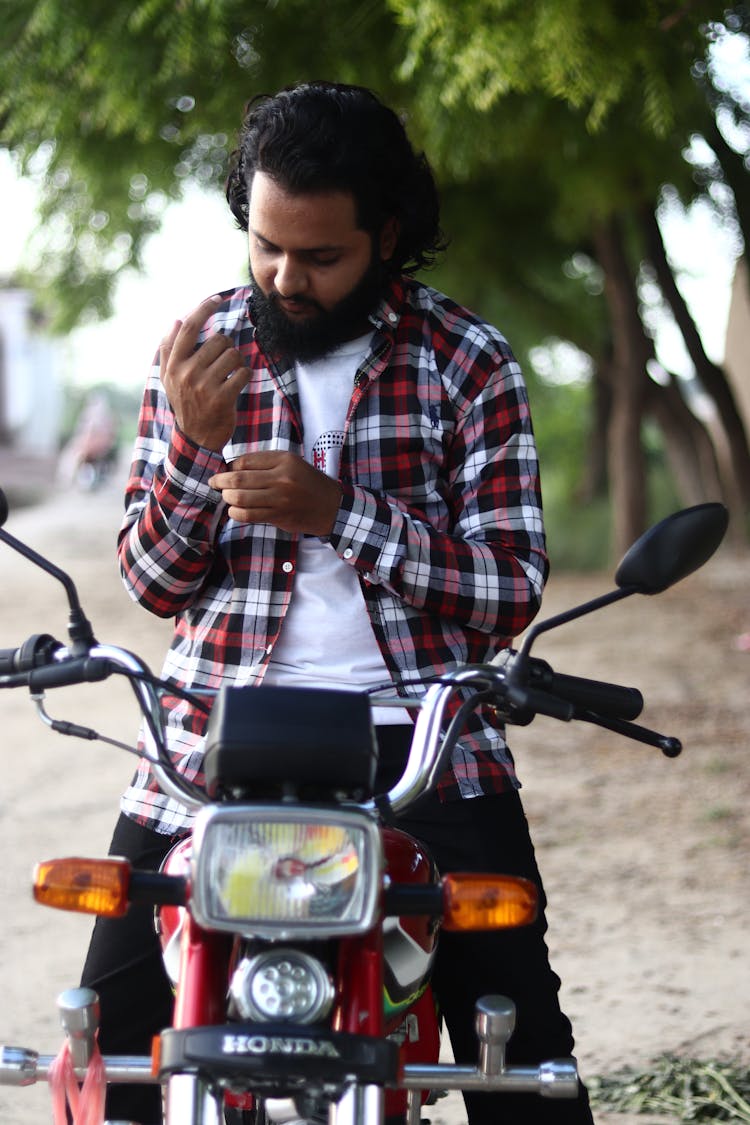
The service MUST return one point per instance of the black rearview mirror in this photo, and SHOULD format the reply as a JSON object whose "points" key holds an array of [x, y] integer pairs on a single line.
{"points": [[673, 548]]}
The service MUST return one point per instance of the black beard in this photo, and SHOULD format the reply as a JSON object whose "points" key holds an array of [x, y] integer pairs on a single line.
{"points": [[321, 333]]}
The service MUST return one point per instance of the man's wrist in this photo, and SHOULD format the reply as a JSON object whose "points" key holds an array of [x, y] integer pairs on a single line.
{"points": [[190, 466]]}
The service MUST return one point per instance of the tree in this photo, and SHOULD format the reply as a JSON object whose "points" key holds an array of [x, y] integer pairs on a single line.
{"points": [[625, 80], [553, 126], [117, 105]]}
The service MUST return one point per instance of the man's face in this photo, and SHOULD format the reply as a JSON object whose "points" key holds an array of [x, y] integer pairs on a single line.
{"points": [[317, 274]]}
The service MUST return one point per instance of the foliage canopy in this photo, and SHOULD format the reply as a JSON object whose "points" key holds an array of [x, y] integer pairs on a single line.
{"points": [[116, 105], [553, 127]]}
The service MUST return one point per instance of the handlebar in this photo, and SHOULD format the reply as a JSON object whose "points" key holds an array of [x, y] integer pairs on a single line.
{"points": [[43, 663], [55, 666]]}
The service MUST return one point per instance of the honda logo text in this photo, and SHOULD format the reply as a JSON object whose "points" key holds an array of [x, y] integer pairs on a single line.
{"points": [[277, 1045]]}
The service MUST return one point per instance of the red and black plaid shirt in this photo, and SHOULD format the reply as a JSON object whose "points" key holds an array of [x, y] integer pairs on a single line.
{"points": [[441, 518]]}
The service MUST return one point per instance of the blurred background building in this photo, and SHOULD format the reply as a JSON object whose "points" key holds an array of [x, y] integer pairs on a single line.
{"points": [[31, 395]]}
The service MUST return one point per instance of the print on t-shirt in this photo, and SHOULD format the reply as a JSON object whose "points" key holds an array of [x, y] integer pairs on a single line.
{"points": [[327, 444]]}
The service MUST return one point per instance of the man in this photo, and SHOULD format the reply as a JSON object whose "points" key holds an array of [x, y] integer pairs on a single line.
{"points": [[335, 483]]}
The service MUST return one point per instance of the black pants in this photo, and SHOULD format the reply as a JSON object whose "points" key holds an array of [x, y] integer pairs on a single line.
{"points": [[125, 967], [484, 834], [491, 834]]}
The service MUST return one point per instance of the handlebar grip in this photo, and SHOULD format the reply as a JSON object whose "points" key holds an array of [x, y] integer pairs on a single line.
{"points": [[35, 652], [612, 701], [79, 670]]}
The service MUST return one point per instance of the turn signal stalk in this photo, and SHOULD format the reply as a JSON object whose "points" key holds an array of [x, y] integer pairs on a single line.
{"points": [[88, 886], [488, 902]]}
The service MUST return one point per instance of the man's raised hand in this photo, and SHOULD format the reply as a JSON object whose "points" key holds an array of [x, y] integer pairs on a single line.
{"points": [[203, 385]]}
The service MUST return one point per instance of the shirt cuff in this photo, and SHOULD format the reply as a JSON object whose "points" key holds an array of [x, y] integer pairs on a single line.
{"points": [[365, 533], [189, 467]]}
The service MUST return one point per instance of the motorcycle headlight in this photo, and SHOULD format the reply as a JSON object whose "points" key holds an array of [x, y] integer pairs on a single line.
{"points": [[272, 872], [282, 984]]}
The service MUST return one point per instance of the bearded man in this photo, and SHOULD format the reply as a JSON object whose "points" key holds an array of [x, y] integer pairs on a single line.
{"points": [[335, 483]]}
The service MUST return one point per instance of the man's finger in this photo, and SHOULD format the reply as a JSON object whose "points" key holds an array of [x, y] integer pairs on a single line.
{"points": [[165, 347], [246, 481], [216, 346], [250, 515], [184, 343], [261, 459], [251, 470]]}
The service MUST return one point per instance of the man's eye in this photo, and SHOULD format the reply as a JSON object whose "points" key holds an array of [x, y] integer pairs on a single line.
{"points": [[326, 260]]}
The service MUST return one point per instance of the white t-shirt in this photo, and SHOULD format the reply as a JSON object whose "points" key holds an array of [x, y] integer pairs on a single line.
{"points": [[326, 639]]}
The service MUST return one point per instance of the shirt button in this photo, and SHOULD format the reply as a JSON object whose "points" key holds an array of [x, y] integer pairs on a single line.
{"points": [[392, 317], [269, 650], [287, 567], [348, 553]]}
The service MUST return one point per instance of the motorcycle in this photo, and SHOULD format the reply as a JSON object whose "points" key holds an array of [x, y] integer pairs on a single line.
{"points": [[298, 924]]}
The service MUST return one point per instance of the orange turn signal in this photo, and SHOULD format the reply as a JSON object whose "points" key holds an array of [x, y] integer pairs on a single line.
{"points": [[88, 886], [488, 902], [156, 1056]]}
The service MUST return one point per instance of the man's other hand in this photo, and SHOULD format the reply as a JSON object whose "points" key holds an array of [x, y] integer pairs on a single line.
{"points": [[282, 489]]}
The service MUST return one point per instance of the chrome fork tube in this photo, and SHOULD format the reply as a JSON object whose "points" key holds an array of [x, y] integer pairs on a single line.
{"points": [[190, 1102], [359, 1105]]}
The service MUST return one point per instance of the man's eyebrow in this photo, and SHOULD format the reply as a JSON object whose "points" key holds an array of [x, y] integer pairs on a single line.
{"points": [[326, 248], [262, 238]]}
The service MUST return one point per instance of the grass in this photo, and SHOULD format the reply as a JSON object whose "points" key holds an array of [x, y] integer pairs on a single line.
{"points": [[718, 813], [683, 1089]]}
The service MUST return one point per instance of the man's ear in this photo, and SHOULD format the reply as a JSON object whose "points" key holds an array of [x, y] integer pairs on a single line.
{"points": [[388, 238]]}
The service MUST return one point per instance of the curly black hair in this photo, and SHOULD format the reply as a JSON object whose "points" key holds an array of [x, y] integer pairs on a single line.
{"points": [[326, 136]]}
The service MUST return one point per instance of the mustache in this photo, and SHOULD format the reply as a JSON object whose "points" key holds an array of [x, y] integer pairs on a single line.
{"points": [[275, 298]]}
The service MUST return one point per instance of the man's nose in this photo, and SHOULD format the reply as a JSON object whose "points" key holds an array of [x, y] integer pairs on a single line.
{"points": [[291, 277]]}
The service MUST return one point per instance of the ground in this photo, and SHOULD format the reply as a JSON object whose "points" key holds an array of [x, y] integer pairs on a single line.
{"points": [[645, 859]]}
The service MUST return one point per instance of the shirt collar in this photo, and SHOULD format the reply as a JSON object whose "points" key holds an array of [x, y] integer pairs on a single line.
{"points": [[388, 313]]}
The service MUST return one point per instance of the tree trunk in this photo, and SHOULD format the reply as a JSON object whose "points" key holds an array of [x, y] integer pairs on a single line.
{"points": [[712, 378], [594, 482], [690, 451], [626, 461]]}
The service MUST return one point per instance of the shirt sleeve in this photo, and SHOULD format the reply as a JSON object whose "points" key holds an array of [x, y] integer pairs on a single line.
{"points": [[486, 571], [166, 543]]}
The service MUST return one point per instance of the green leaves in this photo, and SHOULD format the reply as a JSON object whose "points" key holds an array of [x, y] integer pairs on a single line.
{"points": [[590, 54], [98, 94], [583, 105], [684, 1089]]}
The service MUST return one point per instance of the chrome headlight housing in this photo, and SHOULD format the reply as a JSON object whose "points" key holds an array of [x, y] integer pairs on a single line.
{"points": [[282, 984], [274, 872]]}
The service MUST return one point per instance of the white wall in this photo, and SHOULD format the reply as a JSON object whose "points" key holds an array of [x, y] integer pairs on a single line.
{"points": [[30, 382]]}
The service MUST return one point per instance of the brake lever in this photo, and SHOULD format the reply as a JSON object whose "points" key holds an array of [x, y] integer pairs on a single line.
{"points": [[670, 747]]}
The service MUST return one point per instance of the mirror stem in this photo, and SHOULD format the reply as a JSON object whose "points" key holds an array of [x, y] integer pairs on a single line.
{"points": [[79, 628], [518, 669]]}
